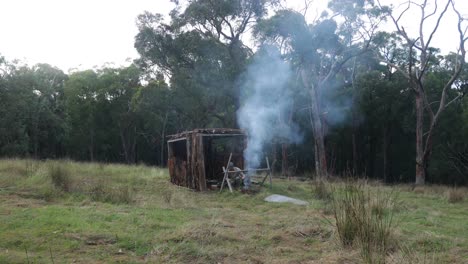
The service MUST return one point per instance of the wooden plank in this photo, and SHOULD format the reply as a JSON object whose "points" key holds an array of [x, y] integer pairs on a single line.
{"points": [[225, 178], [177, 139], [208, 131], [269, 173], [265, 169], [193, 154], [171, 162], [223, 135], [201, 164], [189, 176]]}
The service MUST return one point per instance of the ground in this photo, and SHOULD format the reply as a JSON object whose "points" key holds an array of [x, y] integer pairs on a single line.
{"points": [[68, 212]]}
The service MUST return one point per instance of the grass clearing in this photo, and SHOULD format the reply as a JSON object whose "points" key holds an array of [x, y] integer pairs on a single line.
{"points": [[132, 214]]}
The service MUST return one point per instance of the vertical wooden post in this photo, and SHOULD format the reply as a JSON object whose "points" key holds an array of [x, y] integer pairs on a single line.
{"points": [[193, 159], [171, 162], [201, 164], [189, 173]]}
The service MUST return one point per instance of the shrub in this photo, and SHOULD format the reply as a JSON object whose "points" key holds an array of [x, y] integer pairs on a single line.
{"points": [[365, 219]]}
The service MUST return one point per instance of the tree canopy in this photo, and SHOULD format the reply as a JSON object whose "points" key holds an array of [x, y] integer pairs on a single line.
{"points": [[368, 103]]}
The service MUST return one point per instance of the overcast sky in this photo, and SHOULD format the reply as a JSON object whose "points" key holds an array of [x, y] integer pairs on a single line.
{"points": [[87, 33]]}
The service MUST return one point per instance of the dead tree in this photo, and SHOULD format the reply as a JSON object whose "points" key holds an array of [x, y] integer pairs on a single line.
{"points": [[417, 68]]}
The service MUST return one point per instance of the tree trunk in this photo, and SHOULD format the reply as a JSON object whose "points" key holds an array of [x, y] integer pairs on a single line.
{"points": [[372, 155], [319, 137], [355, 155], [133, 157], [91, 145], [126, 146], [420, 160], [275, 158], [385, 153], [284, 160], [163, 140]]}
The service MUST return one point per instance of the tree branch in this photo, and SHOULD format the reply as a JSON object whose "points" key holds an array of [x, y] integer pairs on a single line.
{"points": [[437, 24]]}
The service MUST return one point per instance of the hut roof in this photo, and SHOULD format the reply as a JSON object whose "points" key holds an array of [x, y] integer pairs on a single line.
{"points": [[209, 132]]}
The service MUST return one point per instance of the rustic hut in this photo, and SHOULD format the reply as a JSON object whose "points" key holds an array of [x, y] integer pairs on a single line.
{"points": [[196, 158]]}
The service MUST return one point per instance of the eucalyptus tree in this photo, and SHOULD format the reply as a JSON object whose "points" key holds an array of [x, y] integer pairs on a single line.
{"points": [[31, 115], [14, 139], [421, 58], [152, 105], [81, 91], [117, 87], [48, 126], [202, 53], [320, 50]]}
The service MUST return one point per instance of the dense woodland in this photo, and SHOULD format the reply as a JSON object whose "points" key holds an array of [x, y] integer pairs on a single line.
{"points": [[383, 105]]}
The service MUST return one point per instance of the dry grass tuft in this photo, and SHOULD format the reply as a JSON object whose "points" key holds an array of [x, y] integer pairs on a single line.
{"points": [[456, 195], [365, 218], [115, 195], [322, 190], [60, 176]]}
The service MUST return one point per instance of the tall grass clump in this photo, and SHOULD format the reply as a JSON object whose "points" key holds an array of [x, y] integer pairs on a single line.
{"points": [[364, 218], [60, 176], [322, 190], [455, 195], [116, 194]]}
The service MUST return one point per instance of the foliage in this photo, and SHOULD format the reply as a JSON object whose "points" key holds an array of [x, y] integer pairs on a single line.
{"points": [[189, 73]]}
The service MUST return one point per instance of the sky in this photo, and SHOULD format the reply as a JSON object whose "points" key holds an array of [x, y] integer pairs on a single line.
{"points": [[82, 34], [72, 33]]}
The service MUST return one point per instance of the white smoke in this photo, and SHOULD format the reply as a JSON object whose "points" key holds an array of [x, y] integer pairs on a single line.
{"points": [[264, 87]]}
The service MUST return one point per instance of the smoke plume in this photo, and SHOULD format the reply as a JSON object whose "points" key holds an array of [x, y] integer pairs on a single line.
{"points": [[267, 101]]}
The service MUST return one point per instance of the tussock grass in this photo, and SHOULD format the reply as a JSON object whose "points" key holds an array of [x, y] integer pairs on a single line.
{"points": [[60, 176], [50, 180], [322, 190], [116, 195], [133, 214], [365, 218], [456, 195]]}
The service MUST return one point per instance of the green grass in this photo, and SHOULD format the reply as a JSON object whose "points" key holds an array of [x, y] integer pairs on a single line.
{"points": [[50, 212]]}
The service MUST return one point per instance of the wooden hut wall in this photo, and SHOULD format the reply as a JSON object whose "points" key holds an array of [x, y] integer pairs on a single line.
{"points": [[177, 163], [186, 160], [197, 162], [189, 175]]}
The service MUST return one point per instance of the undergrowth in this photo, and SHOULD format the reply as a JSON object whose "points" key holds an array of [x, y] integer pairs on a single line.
{"points": [[364, 217], [60, 176], [51, 180], [456, 195], [89, 212]]}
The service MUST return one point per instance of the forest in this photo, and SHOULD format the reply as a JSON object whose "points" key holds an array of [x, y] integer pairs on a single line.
{"points": [[366, 102]]}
